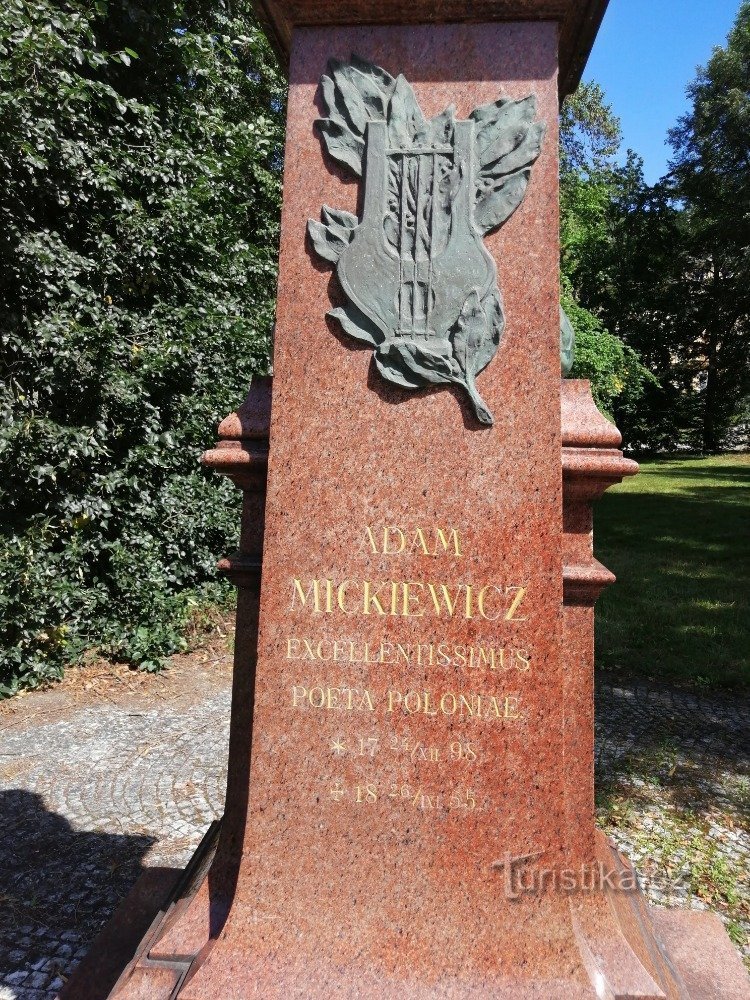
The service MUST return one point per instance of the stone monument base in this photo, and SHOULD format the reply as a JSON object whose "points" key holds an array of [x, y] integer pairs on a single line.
{"points": [[596, 941], [628, 949]]}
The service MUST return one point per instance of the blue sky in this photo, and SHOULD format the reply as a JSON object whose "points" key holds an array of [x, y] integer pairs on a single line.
{"points": [[645, 55]]}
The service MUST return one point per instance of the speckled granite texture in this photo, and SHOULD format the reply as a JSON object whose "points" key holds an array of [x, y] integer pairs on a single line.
{"points": [[398, 890]]}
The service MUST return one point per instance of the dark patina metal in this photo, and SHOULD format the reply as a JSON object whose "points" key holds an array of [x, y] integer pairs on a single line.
{"points": [[421, 286]]}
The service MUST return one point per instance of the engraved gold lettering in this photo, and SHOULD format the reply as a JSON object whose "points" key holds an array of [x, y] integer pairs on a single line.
{"points": [[317, 697], [450, 602], [428, 707], [453, 535], [366, 793], [419, 541], [370, 539], [386, 652], [520, 594], [292, 644], [467, 705], [430, 650], [404, 599], [481, 602], [412, 702], [369, 598], [498, 655], [298, 592], [484, 657], [366, 702], [387, 538], [309, 653], [511, 707], [428, 541], [469, 601], [404, 652], [408, 598], [341, 594], [448, 703], [332, 698]]}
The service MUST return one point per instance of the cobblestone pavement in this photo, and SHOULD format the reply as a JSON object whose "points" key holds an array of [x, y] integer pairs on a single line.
{"points": [[91, 793], [673, 792]]}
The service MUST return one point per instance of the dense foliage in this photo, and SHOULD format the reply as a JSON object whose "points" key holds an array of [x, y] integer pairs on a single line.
{"points": [[589, 140], [666, 267], [617, 375], [711, 176], [140, 151]]}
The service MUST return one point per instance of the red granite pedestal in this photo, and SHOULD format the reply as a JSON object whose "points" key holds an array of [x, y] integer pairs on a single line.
{"points": [[382, 795], [628, 949], [413, 816]]}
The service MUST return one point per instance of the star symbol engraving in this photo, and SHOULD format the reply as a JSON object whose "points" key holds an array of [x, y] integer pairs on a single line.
{"points": [[338, 746]]}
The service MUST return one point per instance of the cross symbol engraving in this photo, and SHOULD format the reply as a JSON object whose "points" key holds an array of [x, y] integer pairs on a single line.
{"points": [[337, 792]]}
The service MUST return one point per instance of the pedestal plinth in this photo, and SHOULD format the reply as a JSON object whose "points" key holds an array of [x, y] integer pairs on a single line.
{"points": [[628, 948]]}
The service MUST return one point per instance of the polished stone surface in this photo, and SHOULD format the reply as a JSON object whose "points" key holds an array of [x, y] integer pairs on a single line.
{"points": [[422, 706], [376, 815], [579, 21]]}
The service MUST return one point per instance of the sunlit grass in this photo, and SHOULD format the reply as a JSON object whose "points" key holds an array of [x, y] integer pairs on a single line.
{"points": [[678, 537]]}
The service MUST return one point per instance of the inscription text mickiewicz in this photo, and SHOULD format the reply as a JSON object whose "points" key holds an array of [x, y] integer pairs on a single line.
{"points": [[409, 599]]}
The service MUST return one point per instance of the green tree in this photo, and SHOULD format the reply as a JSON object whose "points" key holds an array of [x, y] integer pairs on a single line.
{"points": [[711, 171], [626, 258], [590, 139], [590, 133], [635, 284], [589, 142], [618, 377], [140, 155]]}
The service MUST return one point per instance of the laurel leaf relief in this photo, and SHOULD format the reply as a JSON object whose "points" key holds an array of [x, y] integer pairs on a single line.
{"points": [[508, 142], [334, 234]]}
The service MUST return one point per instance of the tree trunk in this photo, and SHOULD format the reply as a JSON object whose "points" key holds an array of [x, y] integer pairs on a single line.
{"points": [[710, 443]]}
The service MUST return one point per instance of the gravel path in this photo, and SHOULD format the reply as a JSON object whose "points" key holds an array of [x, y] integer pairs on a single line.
{"points": [[94, 788]]}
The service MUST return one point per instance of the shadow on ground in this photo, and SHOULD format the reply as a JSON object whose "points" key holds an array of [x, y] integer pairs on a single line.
{"points": [[681, 605], [673, 791], [59, 886], [739, 473], [676, 740]]}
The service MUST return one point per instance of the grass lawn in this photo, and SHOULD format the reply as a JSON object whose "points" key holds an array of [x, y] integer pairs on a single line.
{"points": [[677, 536]]}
